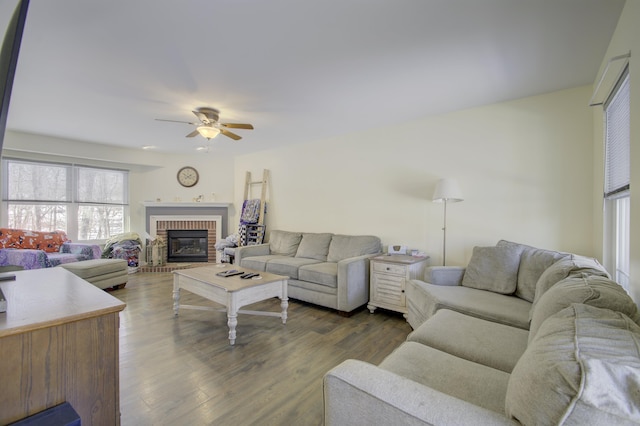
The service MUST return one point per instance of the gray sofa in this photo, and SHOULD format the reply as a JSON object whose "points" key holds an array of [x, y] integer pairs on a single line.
{"points": [[324, 269], [520, 336]]}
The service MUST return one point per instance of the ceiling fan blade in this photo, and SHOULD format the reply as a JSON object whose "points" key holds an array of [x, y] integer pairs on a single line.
{"points": [[230, 134], [176, 121], [237, 125], [203, 117], [193, 134]]}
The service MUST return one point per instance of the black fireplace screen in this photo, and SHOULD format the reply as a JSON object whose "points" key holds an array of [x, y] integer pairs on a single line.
{"points": [[187, 245]]}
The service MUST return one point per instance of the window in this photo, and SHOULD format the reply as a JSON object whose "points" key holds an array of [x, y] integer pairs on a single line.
{"points": [[617, 194], [88, 203]]}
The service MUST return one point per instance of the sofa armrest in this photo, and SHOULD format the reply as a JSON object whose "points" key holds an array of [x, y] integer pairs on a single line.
{"points": [[353, 282], [88, 251], [421, 304], [359, 393], [248, 251], [444, 275]]}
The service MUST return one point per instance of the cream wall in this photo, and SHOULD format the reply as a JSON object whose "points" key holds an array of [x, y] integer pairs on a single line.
{"points": [[215, 184], [152, 175], [525, 168], [625, 39]]}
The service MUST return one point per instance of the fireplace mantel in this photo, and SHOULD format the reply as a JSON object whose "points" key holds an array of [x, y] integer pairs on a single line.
{"points": [[190, 204], [160, 208]]}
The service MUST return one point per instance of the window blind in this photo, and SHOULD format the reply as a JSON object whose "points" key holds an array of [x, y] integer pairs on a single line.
{"points": [[617, 153]]}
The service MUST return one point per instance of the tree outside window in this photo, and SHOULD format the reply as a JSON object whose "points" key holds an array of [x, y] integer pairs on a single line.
{"points": [[88, 203]]}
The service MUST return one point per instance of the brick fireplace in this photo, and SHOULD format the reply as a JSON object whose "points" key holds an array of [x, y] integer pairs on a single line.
{"points": [[160, 224], [163, 216]]}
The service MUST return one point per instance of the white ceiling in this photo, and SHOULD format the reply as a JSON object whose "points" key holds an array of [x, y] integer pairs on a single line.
{"points": [[298, 70]]}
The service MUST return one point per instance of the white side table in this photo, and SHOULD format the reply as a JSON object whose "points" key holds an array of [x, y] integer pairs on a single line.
{"points": [[389, 276]]}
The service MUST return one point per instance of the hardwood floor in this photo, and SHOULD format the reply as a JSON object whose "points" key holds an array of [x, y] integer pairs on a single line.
{"points": [[182, 370]]}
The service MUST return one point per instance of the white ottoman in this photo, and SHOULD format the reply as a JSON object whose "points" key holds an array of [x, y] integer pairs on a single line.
{"points": [[103, 273]]}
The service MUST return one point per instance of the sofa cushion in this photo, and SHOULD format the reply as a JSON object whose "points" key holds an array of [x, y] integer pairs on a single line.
{"points": [[533, 262], [466, 380], [493, 269], [314, 246], [91, 251], [96, 267], [317, 294], [582, 367], [284, 242], [564, 267], [24, 258], [325, 273], [589, 289], [62, 258], [258, 263], [485, 342], [429, 298], [346, 246], [49, 242], [287, 265]]}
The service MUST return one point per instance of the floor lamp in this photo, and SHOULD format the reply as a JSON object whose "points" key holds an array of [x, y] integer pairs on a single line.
{"points": [[447, 191]]}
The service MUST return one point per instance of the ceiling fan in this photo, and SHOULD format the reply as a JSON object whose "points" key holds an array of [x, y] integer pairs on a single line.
{"points": [[209, 126]]}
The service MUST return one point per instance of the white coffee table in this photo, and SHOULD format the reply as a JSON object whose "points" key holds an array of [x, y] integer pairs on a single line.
{"points": [[233, 292]]}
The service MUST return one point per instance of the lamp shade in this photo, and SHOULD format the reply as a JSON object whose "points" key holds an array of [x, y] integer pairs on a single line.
{"points": [[208, 132], [447, 190]]}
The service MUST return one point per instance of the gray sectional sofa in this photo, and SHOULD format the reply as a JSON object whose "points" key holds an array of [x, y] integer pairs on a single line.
{"points": [[326, 269], [520, 336]]}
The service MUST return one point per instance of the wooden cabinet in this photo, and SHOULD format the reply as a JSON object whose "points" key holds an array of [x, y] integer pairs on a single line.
{"points": [[389, 275], [59, 342]]}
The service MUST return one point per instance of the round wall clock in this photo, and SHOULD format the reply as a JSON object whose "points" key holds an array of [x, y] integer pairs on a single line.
{"points": [[188, 176]]}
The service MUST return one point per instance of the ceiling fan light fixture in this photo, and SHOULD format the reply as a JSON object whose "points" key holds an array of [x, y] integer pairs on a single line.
{"points": [[208, 132]]}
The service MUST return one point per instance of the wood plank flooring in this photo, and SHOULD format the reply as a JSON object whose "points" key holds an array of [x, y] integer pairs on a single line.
{"points": [[182, 371]]}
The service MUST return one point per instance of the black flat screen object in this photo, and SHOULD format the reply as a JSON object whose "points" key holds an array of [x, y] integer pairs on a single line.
{"points": [[62, 414], [3, 302], [9, 60]]}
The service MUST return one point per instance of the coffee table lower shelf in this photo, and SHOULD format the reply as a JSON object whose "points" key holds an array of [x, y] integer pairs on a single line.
{"points": [[232, 292]]}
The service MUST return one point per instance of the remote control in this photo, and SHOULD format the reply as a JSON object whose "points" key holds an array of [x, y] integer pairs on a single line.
{"points": [[230, 273], [249, 275]]}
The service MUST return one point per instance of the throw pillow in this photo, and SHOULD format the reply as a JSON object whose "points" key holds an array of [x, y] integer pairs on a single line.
{"points": [[493, 268], [347, 246], [592, 290], [533, 263], [284, 243], [314, 246], [582, 367]]}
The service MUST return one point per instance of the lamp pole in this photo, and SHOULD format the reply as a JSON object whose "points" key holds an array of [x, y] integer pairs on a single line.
{"points": [[444, 241], [447, 190]]}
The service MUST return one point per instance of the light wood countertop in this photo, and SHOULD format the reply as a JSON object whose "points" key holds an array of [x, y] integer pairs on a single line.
{"points": [[41, 298]]}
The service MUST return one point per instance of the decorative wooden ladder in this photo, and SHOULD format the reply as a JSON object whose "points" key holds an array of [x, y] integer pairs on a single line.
{"points": [[251, 234]]}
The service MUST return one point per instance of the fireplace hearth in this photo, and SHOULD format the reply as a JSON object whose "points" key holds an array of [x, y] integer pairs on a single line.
{"points": [[187, 245]]}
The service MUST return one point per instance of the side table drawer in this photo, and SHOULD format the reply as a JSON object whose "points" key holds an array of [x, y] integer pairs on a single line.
{"points": [[389, 268]]}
